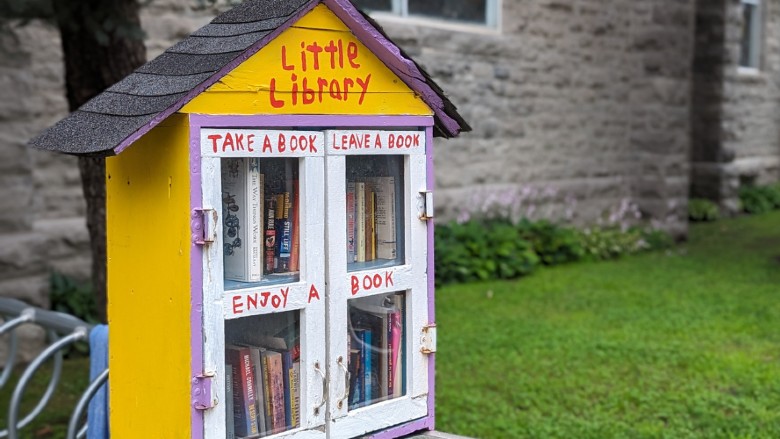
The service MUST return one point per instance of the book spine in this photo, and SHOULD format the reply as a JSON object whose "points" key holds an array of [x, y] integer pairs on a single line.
{"points": [[368, 367], [286, 371], [295, 391], [296, 233], [230, 428], [257, 362], [270, 233], [283, 233], [277, 391], [394, 351], [255, 215], [351, 224], [385, 212], [360, 216], [370, 224], [245, 423]]}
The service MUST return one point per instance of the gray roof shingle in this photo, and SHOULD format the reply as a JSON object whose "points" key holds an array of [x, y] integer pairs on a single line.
{"points": [[129, 108]]}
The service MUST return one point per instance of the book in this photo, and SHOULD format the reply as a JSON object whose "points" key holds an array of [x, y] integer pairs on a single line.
{"points": [[244, 402], [230, 428], [365, 354], [257, 362], [295, 395], [360, 217], [356, 353], [394, 353], [370, 223], [270, 234], [242, 211], [287, 365], [295, 252], [351, 223], [274, 381], [283, 232], [385, 212]]}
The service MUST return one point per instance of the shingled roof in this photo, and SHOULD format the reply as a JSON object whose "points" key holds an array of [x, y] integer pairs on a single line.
{"points": [[130, 108]]}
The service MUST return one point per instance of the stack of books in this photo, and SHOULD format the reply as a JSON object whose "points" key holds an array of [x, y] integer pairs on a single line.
{"points": [[260, 224], [262, 387], [371, 219], [376, 346]]}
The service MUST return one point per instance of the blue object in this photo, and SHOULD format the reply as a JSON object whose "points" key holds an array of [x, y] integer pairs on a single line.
{"points": [[97, 413]]}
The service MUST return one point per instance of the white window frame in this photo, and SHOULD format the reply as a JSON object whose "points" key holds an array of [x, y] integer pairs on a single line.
{"points": [[312, 315], [400, 12], [410, 277], [755, 43]]}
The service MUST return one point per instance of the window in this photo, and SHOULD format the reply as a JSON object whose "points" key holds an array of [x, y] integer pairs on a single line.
{"points": [[750, 45], [479, 12]]}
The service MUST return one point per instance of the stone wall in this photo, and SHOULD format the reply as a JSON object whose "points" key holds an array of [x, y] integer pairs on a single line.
{"points": [[582, 102], [736, 115], [587, 99]]}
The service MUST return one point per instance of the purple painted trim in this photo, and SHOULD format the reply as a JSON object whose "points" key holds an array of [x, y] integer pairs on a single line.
{"points": [[196, 277], [216, 121], [198, 121], [430, 184], [391, 55], [213, 79], [403, 429]]}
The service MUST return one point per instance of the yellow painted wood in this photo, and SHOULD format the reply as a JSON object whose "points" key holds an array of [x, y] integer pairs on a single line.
{"points": [[317, 66], [148, 246]]}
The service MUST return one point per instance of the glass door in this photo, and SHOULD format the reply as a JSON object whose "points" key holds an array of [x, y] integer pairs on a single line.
{"points": [[264, 283], [377, 279]]}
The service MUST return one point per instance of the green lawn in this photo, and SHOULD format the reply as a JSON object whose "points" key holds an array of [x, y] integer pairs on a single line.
{"points": [[679, 344], [667, 345]]}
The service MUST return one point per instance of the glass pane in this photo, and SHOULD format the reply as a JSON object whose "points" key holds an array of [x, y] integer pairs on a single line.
{"points": [[374, 5], [377, 360], [375, 220], [458, 10], [262, 374], [261, 222], [749, 45]]}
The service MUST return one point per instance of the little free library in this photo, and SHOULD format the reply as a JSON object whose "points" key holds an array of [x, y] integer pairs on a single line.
{"points": [[269, 229]]}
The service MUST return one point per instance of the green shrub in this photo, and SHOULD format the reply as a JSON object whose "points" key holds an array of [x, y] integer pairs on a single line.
{"points": [[757, 199], [553, 243], [700, 209], [477, 250], [68, 296], [609, 243]]}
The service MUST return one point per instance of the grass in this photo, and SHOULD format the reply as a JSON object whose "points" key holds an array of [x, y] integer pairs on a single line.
{"points": [[53, 422], [680, 344]]}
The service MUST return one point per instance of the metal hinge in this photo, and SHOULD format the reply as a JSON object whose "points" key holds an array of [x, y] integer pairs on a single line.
{"points": [[426, 205], [203, 397], [428, 339], [204, 226]]}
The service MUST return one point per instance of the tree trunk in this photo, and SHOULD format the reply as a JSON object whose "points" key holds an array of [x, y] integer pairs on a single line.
{"points": [[94, 60]]}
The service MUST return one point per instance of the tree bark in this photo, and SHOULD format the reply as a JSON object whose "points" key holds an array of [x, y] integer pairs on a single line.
{"points": [[95, 60]]}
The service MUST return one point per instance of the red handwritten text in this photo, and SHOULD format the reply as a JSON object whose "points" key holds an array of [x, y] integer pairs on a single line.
{"points": [[260, 300], [370, 282], [308, 86]]}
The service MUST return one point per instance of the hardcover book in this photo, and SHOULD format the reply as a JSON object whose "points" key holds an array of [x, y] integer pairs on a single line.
{"points": [[244, 402], [270, 234], [351, 223], [385, 213], [360, 217], [274, 376], [242, 212]]}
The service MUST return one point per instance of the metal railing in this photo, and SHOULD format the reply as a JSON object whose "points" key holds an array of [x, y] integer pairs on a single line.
{"points": [[62, 330]]}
